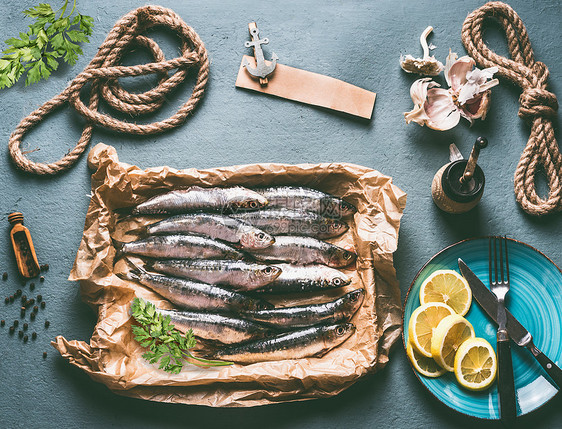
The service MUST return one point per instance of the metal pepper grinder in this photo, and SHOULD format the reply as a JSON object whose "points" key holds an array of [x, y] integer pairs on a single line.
{"points": [[458, 186]]}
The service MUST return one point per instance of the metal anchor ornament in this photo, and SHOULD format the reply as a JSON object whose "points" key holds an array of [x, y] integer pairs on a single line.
{"points": [[262, 70]]}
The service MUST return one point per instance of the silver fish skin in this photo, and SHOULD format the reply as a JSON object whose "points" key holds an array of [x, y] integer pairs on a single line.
{"points": [[314, 341], [177, 247], [307, 199], [195, 295], [214, 327], [238, 275], [305, 278], [197, 198], [304, 251], [339, 310], [294, 222], [214, 226]]}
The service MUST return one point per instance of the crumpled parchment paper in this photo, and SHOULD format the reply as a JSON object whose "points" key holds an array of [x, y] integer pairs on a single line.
{"points": [[114, 358]]}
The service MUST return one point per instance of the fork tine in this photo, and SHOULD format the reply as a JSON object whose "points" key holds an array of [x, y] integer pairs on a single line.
{"points": [[502, 279], [495, 260], [506, 259]]}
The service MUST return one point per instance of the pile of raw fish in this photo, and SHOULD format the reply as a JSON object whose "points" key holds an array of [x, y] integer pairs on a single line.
{"points": [[223, 250]]}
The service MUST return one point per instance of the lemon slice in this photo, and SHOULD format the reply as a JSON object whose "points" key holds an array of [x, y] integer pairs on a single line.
{"points": [[424, 365], [451, 332], [423, 322], [475, 364], [449, 287]]}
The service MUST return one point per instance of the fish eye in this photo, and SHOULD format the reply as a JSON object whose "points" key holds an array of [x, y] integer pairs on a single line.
{"points": [[260, 236], [337, 281], [268, 270], [253, 204], [340, 330], [354, 297], [347, 256]]}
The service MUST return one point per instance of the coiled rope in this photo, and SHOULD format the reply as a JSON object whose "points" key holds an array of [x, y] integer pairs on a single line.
{"points": [[537, 105], [102, 74]]}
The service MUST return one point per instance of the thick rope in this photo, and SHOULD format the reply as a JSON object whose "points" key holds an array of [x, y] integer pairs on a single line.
{"points": [[102, 74], [537, 104]]}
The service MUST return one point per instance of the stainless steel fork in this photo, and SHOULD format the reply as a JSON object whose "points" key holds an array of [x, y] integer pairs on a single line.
{"points": [[499, 285]]}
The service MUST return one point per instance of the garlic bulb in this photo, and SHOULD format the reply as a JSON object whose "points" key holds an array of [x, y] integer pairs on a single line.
{"points": [[468, 95]]}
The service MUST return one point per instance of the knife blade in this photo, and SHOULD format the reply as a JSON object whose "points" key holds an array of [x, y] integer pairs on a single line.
{"points": [[517, 332]]}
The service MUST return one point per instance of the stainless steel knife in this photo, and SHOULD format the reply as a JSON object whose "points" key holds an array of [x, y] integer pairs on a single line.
{"points": [[516, 330]]}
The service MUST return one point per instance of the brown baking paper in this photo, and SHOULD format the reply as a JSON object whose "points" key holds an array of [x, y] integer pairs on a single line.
{"points": [[114, 358]]}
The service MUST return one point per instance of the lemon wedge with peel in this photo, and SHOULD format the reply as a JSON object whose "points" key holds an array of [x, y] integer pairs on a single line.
{"points": [[424, 365], [422, 324], [475, 364], [451, 332], [448, 287]]}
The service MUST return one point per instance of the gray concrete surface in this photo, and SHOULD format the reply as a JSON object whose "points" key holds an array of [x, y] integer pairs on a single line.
{"points": [[356, 41]]}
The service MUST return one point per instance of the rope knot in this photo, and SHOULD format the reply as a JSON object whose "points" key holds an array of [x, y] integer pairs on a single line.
{"points": [[537, 102]]}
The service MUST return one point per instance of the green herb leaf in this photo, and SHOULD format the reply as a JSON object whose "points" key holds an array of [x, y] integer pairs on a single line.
{"points": [[48, 38], [167, 346]]}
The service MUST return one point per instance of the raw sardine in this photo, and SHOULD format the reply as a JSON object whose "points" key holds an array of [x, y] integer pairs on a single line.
{"points": [[239, 275], [315, 341], [339, 310], [178, 247], [304, 250], [195, 295], [215, 226], [294, 222], [301, 198], [305, 278], [206, 199], [227, 330]]}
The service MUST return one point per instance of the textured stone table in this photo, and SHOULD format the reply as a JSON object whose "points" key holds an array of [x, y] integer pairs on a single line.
{"points": [[356, 41]]}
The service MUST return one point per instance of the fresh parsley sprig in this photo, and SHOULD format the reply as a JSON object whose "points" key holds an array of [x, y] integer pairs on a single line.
{"points": [[48, 39], [165, 344]]}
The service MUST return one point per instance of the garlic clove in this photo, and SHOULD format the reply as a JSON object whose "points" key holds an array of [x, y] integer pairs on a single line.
{"points": [[456, 70], [418, 92], [441, 110], [477, 108]]}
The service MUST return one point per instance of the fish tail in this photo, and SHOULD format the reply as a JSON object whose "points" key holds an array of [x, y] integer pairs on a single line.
{"points": [[119, 252], [125, 211], [141, 231], [136, 270]]}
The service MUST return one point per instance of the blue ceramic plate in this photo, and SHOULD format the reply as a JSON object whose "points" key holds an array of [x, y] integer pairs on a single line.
{"points": [[535, 299]]}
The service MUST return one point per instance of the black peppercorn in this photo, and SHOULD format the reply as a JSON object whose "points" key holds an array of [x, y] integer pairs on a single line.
{"points": [[20, 334], [12, 330], [41, 279], [24, 298], [31, 286], [47, 323], [32, 316], [35, 309], [22, 313], [18, 293], [34, 335], [25, 326], [25, 338], [12, 298], [7, 299], [16, 323], [44, 267], [39, 298], [30, 302], [42, 304], [5, 276], [44, 355], [2, 322]]}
